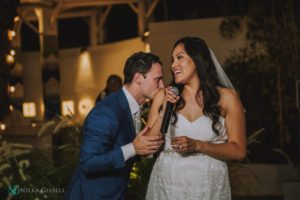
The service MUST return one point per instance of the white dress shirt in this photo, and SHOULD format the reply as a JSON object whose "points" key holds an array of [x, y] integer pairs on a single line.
{"points": [[128, 149]]}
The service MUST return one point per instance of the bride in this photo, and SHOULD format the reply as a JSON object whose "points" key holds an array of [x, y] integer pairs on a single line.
{"points": [[207, 129]]}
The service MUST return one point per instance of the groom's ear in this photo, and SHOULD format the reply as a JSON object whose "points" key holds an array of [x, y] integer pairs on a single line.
{"points": [[137, 78]]}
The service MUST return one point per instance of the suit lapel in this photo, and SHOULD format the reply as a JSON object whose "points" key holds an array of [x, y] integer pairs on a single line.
{"points": [[125, 108]]}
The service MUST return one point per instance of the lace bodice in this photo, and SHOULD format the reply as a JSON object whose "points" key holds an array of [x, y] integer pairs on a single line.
{"points": [[190, 176], [200, 129]]}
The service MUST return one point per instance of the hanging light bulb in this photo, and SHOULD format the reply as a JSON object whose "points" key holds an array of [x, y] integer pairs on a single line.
{"points": [[12, 89], [16, 19], [10, 59], [11, 34], [2, 126], [146, 34], [12, 52]]}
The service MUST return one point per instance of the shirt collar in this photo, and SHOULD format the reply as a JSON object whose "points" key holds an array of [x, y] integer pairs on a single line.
{"points": [[133, 104]]}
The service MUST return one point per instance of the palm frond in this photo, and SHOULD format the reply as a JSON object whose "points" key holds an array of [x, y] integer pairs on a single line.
{"points": [[45, 127]]}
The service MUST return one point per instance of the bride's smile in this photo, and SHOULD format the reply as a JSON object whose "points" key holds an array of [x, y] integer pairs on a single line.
{"points": [[183, 66]]}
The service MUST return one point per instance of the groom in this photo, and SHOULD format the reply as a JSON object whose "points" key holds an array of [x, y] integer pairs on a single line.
{"points": [[109, 141]]}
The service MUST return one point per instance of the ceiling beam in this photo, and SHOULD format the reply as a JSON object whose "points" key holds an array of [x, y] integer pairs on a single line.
{"points": [[153, 5], [56, 11], [103, 17], [85, 3], [134, 8]]}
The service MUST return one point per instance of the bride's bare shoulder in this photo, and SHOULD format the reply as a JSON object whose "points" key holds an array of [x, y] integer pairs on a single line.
{"points": [[229, 98], [227, 93]]}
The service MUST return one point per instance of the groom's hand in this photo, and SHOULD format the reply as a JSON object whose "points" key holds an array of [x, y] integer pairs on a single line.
{"points": [[145, 145]]}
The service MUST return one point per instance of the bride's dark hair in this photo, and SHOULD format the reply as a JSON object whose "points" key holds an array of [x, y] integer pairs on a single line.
{"points": [[197, 49]]}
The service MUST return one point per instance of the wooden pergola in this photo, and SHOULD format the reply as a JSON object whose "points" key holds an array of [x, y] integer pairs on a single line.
{"points": [[96, 10]]}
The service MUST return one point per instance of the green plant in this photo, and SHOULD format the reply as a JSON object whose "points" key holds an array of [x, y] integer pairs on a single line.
{"points": [[139, 178], [12, 164], [41, 173], [265, 70]]}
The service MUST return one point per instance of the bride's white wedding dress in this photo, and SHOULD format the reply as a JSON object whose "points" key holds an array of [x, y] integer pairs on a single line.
{"points": [[190, 176]]}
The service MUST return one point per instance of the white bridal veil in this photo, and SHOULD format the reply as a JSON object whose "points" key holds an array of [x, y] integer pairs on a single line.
{"points": [[224, 80]]}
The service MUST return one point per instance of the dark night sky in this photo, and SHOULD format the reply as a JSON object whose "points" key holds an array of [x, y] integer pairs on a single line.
{"points": [[122, 21]]}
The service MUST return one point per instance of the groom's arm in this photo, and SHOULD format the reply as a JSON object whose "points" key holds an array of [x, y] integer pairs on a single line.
{"points": [[97, 152]]}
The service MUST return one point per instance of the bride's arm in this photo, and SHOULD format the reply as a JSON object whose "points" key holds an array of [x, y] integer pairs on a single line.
{"points": [[155, 116], [235, 148], [154, 120]]}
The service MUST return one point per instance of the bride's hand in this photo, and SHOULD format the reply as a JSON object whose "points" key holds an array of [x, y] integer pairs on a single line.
{"points": [[169, 97], [184, 144]]}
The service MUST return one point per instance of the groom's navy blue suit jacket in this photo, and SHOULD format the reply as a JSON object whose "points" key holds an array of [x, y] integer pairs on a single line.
{"points": [[102, 172]]}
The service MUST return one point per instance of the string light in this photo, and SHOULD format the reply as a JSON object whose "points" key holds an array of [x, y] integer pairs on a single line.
{"points": [[2, 126], [12, 89], [11, 34], [10, 59], [12, 52], [147, 33], [16, 19]]}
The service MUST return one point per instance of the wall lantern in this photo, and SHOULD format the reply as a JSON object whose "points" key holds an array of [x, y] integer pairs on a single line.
{"points": [[68, 108], [29, 109], [84, 106]]}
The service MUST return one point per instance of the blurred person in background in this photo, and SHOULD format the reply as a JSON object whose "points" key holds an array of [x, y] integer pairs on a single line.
{"points": [[113, 84]]}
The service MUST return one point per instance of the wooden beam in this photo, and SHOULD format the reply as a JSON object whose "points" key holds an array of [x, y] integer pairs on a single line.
{"points": [[56, 11], [153, 5], [103, 18], [17, 39], [134, 8], [141, 18], [29, 25], [24, 3], [93, 28], [84, 3], [63, 14]]}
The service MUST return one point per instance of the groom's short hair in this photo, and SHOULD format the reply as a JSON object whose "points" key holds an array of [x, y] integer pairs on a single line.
{"points": [[139, 62]]}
